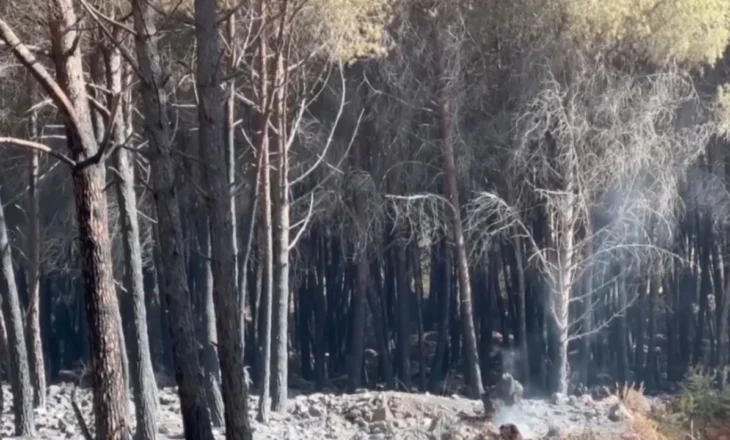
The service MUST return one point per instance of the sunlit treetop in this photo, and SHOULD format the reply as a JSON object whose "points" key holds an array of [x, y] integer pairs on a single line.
{"points": [[344, 29], [685, 31]]}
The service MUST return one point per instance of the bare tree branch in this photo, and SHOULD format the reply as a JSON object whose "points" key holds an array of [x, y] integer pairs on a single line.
{"points": [[38, 147]]}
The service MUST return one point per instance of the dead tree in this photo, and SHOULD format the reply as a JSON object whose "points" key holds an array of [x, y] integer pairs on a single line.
{"points": [[86, 159], [141, 373], [172, 271], [223, 235], [20, 380], [34, 339], [444, 114]]}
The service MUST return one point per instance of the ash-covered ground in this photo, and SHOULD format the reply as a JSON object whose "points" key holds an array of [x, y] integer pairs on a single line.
{"points": [[366, 415]]}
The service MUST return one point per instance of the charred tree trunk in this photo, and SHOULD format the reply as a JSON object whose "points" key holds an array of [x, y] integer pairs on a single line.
{"points": [[101, 124], [280, 199], [102, 309], [704, 248], [359, 300], [142, 374], [266, 236], [403, 293], [211, 117], [20, 380], [441, 289], [211, 366], [172, 272], [320, 313], [521, 308], [418, 282], [474, 375], [4, 359], [35, 339]]}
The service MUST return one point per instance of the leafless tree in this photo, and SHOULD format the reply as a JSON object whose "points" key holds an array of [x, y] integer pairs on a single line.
{"points": [[87, 160], [602, 151], [17, 349], [172, 276]]}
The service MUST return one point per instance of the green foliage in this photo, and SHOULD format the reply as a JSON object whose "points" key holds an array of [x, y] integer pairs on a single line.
{"points": [[685, 31], [344, 29], [702, 401]]}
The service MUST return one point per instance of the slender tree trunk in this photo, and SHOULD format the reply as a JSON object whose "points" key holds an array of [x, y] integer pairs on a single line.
{"points": [[622, 335], [20, 380], [649, 376], [35, 340], [704, 249], [474, 375], [404, 316], [441, 288], [320, 312], [230, 145], [4, 358], [172, 273], [210, 338], [142, 374], [266, 239], [280, 199], [521, 305], [268, 285], [418, 282]]}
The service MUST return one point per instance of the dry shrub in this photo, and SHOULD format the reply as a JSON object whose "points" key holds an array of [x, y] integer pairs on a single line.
{"points": [[632, 397], [643, 424], [647, 428], [718, 430]]}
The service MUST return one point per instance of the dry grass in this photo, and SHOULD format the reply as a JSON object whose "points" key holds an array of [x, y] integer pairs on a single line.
{"points": [[633, 398], [642, 424]]}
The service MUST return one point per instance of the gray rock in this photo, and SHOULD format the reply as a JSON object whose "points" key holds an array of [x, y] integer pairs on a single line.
{"points": [[619, 413], [557, 398], [509, 389]]}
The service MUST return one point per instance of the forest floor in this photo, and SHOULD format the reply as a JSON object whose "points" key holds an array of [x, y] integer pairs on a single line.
{"points": [[370, 415]]}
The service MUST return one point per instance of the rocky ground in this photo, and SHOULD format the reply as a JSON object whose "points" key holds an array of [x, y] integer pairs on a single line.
{"points": [[368, 415]]}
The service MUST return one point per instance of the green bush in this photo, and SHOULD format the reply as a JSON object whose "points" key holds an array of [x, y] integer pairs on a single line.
{"points": [[704, 397]]}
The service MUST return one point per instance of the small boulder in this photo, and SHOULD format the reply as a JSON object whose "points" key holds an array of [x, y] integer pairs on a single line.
{"points": [[509, 389], [619, 413], [315, 411], [381, 414], [509, 431], [557, 398], [553, 431]]}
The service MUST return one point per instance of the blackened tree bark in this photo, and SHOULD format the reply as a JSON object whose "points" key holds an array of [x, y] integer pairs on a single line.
{"points": [[4, 355], [403, 292], [33, 324], [281, 223], [214, 153], [102, 309], [141, 373], [211, 365], [172, 276], [473, 372], [19, 369], [266, 245], [440, 288]]}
